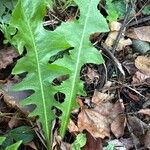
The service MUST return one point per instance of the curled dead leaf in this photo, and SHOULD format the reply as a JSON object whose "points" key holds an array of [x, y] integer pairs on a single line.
{"points": [[141, 33], [143, 64]]}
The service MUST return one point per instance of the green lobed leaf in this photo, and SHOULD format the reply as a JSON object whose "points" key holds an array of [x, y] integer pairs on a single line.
{"points": [[77, 33], [6, 6], [41, 45]]}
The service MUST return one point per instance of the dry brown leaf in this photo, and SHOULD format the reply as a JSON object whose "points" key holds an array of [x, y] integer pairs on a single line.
{"points": [[97, 125], [118, 125], [138, 127], [6, 56], [145, 111], [59, 144], [93, 143], [97, 121], [99, 97], [92, 75], [141, 33], [143, 64], [147, 140], [122, 42], [32, 145], [139, 77], [115, 26], [14, 122], [72, 127]]}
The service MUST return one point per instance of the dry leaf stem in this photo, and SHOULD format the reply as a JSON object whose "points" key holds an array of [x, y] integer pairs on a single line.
{"points": [[116, 42]]}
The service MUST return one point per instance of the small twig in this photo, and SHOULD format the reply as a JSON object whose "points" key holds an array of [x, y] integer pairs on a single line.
{"points": [[50, 22], [106, 76], [130, 87], [114, 59], [141, 20], [116, 42]]}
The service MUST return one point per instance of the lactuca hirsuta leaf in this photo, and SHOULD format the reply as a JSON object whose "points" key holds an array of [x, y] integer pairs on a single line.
{"points": [[39, 44], [77, 33]]}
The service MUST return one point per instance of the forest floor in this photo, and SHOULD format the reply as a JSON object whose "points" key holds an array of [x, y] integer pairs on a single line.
{"points": [[115, 114]]}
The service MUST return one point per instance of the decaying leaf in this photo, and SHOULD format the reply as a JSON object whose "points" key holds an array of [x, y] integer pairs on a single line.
{"points": [[13, 123], [127, 142], [92, 143], [59, 144], [143, 64], [129, 67], [97, 121], [138, 127], [72, 127], [115, 27], [145, 111], [122, 43], [139, 77], [6, 56], [32, 145], [99, 97], [92, 75], [141, 33], [147, 140], [118, 125]]}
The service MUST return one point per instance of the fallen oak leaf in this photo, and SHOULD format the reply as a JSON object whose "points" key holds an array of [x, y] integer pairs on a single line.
{"points": [[94, 123], [97, 121]]}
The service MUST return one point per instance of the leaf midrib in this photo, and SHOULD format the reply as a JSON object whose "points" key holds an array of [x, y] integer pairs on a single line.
{"points": [[76, 70], [40, 78]]}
